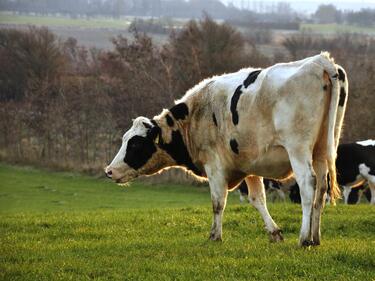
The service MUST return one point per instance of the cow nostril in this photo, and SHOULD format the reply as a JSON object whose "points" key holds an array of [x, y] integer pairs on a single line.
{"points": [[108, 174]]}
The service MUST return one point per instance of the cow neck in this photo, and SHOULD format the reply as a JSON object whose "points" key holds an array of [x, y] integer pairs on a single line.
{"points": [[180, 147]]}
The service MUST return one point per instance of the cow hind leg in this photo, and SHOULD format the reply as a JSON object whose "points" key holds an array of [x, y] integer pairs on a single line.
{"points": [[368, 175], [346, 192], [257, 198], [321, 170], [301, 162]]}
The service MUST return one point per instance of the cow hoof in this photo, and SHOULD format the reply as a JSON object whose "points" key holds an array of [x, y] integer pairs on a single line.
{"points": [[214, 237], [315, 243], [276, 236], [307, 243]]}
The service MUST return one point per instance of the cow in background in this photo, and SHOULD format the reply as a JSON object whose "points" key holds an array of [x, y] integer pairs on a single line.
{"points": [[355, 166], [281, 188]]}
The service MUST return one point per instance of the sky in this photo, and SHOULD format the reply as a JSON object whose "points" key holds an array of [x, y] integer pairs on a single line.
{"points": [[307, 6]]}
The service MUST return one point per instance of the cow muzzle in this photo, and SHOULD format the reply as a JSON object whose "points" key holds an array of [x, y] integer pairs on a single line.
{"points": [[108, 172], [120, 175]]}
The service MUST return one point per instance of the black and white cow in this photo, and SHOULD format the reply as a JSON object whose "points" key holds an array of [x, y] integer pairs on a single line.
{"points": [[250, 124], [355, 166], [356, 193]]}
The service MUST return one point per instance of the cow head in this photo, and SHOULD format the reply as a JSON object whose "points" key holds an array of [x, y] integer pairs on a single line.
{"points": [[140, 153]]}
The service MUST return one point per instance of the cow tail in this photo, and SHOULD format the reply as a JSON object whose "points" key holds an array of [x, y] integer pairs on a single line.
{"points": [[340, 87], [344, 91], [334, 127]]}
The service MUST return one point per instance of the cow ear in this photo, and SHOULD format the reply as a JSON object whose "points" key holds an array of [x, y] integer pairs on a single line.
{"points": [[154, 134]]}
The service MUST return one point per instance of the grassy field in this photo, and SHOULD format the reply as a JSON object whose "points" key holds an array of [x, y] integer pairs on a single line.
{"points": [[94, 32], [9, 18], [123, 23], [60, 226], [337, 28]]}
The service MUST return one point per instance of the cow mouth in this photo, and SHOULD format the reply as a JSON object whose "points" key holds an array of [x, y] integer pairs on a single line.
{"points": [[126, 179]]}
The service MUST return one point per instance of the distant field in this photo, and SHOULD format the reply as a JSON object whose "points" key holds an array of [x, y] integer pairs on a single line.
{"points": [[334, 28], [8, 18], [61, 226], [123, 23], [96, 32]]}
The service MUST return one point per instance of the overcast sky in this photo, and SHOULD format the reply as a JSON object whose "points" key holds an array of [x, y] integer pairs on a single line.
{"points": [[308, 6]]}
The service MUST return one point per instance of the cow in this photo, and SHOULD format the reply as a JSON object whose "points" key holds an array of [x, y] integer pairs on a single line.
{"points": [[250, 124], [355, 166], [356, 193], [280, 187]]}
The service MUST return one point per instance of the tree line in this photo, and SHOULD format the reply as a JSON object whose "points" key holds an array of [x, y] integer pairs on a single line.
{"points": [[65, 106], [328, 13], [276, 13], [148, 8]]}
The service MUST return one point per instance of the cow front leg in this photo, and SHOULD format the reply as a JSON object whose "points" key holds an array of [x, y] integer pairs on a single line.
{"points": [[218, 205], [257, 198], [219, 193]]}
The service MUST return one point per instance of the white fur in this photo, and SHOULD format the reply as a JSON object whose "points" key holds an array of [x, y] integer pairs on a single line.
{"points": [[137, 129], [366, 142]]}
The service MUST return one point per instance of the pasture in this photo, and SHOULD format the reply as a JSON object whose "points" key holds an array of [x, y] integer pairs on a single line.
{"points": [[100, 22], [333, 28], [63, 226], [124, 22]]}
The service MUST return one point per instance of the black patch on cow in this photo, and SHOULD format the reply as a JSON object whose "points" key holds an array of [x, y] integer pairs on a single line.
{"points": [[353, 197], [341, 75], [178, 151], [170, 121], [243, 188], [271, 184], [251, 78], [148, 126], [154, 132], [342, 96], [139, 151], [154, 122], [367, 194], [234, 146], [180, 111], [233, 104], [214, 118], [294, 194]]}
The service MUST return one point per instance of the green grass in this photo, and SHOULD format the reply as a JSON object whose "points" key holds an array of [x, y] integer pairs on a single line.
{"points": [[9, 18], [30, 190], [106, 232], [334, 28]]}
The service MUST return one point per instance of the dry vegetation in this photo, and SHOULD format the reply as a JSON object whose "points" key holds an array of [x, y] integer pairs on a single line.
{"points": [[66, 106]]}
